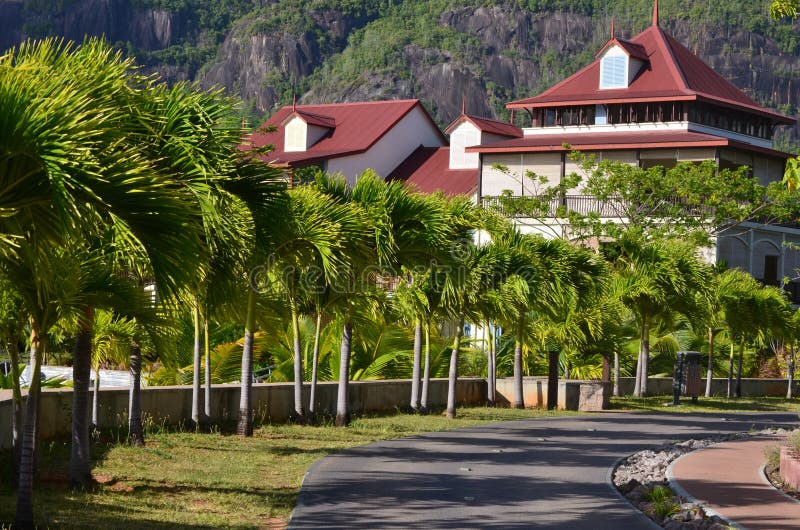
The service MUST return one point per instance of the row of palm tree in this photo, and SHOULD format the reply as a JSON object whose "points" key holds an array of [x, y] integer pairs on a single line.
{"points": [[112, 182]]}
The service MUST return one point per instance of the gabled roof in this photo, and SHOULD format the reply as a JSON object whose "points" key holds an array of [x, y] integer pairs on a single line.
{"points": [[671, 73], [610, 141], [312, 119], [357, 127], [427, 170], [633, 49], [500, 128]]}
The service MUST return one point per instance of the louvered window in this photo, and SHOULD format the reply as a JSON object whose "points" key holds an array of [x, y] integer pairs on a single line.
{"points": [[614, 71]]}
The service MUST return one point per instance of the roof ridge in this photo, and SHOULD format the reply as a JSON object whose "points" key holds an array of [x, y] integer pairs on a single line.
{"points": [[666, 48]]}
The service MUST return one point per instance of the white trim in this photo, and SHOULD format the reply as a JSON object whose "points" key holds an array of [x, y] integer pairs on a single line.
{"points": [[752, 140], [608, 128], [648, 127]]}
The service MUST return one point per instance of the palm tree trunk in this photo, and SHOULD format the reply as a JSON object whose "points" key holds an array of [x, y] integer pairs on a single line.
{"points": [[16, 414], [135, 431], [730, 371], [245, 423], [552, 379], [415, 372], [312, 403], [95, 392], [519, 400], [426, 372], [790, 372], [491, 369], [342, 398], [80, 474], [644, 358], [616, 374], [207, 393], [299, 410], [738, 390], [27, 466], [453, 376], [196, 421], [637, 382], [710, 370]]}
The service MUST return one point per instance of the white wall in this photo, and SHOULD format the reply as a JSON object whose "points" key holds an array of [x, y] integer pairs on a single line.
{"points": [[388, 152], [463, 136], [294, 135]]}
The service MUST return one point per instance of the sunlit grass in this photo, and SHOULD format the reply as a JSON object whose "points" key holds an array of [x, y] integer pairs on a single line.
{"points": [[217, 480], [704, 404]]}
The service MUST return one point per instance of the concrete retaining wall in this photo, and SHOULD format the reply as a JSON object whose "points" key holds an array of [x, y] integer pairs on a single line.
{"points": [[572, 395], [271, 402], [719, 387]]}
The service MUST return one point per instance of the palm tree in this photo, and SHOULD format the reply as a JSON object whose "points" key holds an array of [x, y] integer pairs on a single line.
{"points": [[12, 320], [311, 243], [653, 277], [406, 228]]}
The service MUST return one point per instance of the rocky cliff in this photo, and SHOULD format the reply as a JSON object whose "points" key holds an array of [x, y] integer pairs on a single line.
{"points": [[325, 51]]}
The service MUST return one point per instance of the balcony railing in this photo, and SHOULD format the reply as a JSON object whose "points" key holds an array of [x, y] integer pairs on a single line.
{"points": [[527, 206], [542, 206]]}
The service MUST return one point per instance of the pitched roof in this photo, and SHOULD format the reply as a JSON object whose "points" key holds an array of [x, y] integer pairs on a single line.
{"points": [[355, 128], [487, 125], [427, 169], [671, 73], [608, 141], [312, 119], [633, 49]]}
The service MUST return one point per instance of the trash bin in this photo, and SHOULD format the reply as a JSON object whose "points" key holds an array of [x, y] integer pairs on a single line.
{"points": [[686, 380]]}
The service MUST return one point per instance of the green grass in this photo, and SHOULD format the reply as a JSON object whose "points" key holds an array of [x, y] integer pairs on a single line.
{"points": [[704, 404], [183, 480]]}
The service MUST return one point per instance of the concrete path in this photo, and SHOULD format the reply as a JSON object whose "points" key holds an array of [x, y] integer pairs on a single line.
{"points": [[728, 477], [543, 473]]}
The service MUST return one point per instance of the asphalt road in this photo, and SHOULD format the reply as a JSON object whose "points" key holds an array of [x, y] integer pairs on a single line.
{"points": [[550, 473]]}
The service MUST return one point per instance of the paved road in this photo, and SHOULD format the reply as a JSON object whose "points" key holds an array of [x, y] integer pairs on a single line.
{"points": [[544, 473]]}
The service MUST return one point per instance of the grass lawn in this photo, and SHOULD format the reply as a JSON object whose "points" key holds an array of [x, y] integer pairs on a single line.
{"points": [[704, 404], [187, 480]]}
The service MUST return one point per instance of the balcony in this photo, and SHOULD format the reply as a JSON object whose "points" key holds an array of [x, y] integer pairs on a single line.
{"points": [[537, 206]]}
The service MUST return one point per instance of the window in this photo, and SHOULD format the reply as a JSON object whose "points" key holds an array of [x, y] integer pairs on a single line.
{"points": [[614, 71]]}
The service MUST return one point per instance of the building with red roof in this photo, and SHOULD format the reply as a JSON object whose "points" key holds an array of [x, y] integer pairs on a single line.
{"points": [[646, 101], [347, 138]]}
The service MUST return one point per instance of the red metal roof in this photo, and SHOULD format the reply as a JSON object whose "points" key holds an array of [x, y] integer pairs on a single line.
{"points": [[616, 141], [487, 125], [312, 119], [633, 49], [427, 169], [356, 128], [671, 73]]}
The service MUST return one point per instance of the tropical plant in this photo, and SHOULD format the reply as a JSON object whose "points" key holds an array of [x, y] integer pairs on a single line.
{"points": [[654, 277]]}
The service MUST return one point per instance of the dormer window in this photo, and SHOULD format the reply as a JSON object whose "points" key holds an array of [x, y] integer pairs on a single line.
{"points": [[304, 129], [614, 68], [614, 71], [620, 63]]}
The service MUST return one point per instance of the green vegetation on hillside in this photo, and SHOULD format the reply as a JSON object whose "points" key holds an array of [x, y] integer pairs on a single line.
{"points": [[367, 40]]}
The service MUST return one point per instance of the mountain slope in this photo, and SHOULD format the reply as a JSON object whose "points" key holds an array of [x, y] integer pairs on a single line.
{"points": [[486, 51]]}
